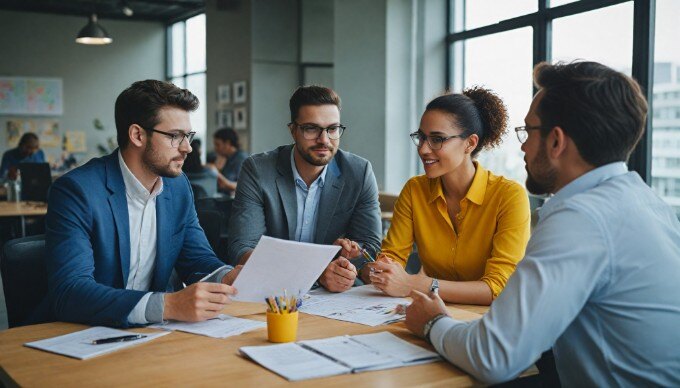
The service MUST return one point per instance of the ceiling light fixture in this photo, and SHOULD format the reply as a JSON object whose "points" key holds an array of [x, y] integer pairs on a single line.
{"points": [[93, 33], [127, 10]]}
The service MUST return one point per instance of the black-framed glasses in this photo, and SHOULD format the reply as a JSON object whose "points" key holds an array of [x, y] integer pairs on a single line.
{"points": [[435, 142], [176, 139], [313, 132], [523, 132]]}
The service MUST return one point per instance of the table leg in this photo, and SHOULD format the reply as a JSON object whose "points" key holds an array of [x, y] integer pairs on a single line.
{"points": [[23, 226]]}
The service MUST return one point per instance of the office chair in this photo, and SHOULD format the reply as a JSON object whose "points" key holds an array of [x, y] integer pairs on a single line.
{"points": [[24, 277], [211, 222]]}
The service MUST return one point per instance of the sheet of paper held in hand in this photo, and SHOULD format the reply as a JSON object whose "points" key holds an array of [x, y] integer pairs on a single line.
{"points": [[79, 344], [222, 326], [277, 265], [365, 305]]}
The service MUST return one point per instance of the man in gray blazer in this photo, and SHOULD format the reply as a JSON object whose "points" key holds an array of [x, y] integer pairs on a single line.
{"points": [[309, 191]]}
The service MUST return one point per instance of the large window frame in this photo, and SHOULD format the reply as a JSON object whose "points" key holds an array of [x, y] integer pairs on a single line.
{"points": [[644, 12]]}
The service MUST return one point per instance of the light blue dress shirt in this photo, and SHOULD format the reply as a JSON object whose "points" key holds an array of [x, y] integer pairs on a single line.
{"points": [[307, 202], [600, 283]]}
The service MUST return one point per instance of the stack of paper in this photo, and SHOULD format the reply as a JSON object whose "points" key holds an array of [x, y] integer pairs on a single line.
{"points": [[338, 355], [222, 326], [365, 305], [79, 344]]}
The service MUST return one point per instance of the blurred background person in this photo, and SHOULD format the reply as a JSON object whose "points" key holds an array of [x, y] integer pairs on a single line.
{"points": [[227, 147], [28, 151], [203, 179]]}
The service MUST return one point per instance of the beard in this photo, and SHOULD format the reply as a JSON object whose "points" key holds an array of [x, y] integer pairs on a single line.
{"points": [[542, 179], [309, 157], [154, 162]]}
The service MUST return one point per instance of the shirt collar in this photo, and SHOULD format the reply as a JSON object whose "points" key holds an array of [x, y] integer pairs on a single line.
{"points": [[296, 175], [585, 182], [475, 193], [133, 186]]}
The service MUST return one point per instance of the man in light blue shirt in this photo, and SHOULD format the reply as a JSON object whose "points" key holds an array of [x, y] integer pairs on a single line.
{"points": [[600, 281]]}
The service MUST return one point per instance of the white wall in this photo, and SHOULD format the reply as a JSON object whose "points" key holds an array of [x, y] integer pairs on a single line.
{"points": [[41, 45]]}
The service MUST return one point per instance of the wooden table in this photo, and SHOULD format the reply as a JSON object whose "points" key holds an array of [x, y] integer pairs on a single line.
{"points": [[181, 359], [22, 209]]}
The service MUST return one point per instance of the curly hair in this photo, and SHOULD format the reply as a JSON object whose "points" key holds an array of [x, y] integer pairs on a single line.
{"points": [[478, 111]]}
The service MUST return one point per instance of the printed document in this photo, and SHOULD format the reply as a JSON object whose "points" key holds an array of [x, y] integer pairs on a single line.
{"points": [[222, 326], [277, 265], [338, 355], [365, 305], [79, 344]]}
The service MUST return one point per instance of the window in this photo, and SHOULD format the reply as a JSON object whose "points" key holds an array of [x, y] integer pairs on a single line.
{"points": [[497, 43], [502, 63], [186, 67], [666, 105]]}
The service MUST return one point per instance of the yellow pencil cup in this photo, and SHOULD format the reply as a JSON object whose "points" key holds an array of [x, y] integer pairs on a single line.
{"points": [[282, 327]]}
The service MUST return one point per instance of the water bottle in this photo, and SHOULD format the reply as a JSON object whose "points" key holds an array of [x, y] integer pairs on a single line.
{"points": [[17, 189]]}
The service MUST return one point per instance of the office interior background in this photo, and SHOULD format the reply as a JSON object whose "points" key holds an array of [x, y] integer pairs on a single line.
{"points": [[385, 58]]}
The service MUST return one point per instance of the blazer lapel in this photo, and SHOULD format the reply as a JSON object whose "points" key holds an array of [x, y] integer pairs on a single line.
{"points": [[164, 231], [330, 195], [119, 209], [286, 188]]}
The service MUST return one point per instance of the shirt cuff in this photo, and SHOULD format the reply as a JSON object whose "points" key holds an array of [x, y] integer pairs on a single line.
{"points": [[219, 274], [155, 308], [439, 330], [138, 313]]}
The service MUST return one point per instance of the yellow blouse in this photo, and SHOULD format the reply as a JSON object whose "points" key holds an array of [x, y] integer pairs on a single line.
{"points": [[493, 229]]}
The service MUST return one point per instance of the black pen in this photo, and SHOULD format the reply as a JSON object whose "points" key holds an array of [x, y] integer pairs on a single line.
{"points": [[123, 338]]}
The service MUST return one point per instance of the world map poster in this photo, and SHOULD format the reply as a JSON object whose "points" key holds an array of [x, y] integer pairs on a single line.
{"points": [[30, 96]]}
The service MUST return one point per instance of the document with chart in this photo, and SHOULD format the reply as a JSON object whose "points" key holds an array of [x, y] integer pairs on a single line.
{"points": [[339, 355], [365, 305]]}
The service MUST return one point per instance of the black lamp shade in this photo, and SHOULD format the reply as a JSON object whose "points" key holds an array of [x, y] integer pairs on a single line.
{"points": [[93, 33]]}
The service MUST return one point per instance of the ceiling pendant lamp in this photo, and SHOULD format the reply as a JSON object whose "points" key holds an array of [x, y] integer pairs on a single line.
{"points": [[93, 33]]}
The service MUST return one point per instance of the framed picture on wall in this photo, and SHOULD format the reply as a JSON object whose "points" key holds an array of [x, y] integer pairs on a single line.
{"points": [[240, 93], [225, 118], [240, 118], [224, 94]]}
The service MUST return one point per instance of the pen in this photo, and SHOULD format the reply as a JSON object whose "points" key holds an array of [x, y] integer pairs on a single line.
{"points": [[123, 338], [368, 257]]}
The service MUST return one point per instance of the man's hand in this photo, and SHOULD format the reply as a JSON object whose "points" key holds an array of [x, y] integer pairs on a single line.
{"points": [[423, 308], [391, 278], [350, 249], [229, 278], [339, 275], [245, 256], [198, 302]]}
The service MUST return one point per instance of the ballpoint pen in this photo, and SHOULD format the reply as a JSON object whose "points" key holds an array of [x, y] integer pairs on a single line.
{"points": [[123, 338], [368, 257]]}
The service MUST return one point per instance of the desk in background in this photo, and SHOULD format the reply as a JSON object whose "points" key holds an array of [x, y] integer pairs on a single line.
{"points": [[180, 359], [22, 209]]}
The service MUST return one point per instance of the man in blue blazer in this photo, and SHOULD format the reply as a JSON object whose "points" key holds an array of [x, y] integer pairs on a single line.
{"points": [[119, 225], [310, 191]]}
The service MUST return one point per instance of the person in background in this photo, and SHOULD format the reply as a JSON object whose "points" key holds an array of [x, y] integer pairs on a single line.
{"points": [[309, 191], [471, 226], [198, 174], [28, 151], [227, 146], [599, 281]]}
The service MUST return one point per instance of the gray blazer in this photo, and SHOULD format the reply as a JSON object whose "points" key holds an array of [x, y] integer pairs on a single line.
{"points": [[266, 203]]}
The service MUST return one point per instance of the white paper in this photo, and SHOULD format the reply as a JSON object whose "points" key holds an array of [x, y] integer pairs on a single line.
{"points": [[338, 355], [387, 343], [222, 326], [350, 353], [293, 362], [79, 344], [277, 265], [364, 305]]}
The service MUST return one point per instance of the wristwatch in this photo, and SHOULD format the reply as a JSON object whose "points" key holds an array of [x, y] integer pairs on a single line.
{"points": [[428, 326], [434, 286]]}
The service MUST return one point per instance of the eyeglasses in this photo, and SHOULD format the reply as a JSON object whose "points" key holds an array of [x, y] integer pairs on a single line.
{"points": [[523, 132], [176, 139], [435, 142], [313, 132]]}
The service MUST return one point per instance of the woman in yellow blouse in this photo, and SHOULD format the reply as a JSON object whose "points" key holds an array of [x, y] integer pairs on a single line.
{"points": [[470, 226]]}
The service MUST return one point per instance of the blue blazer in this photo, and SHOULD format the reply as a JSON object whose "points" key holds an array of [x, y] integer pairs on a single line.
{"points": [[88, 244]]}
